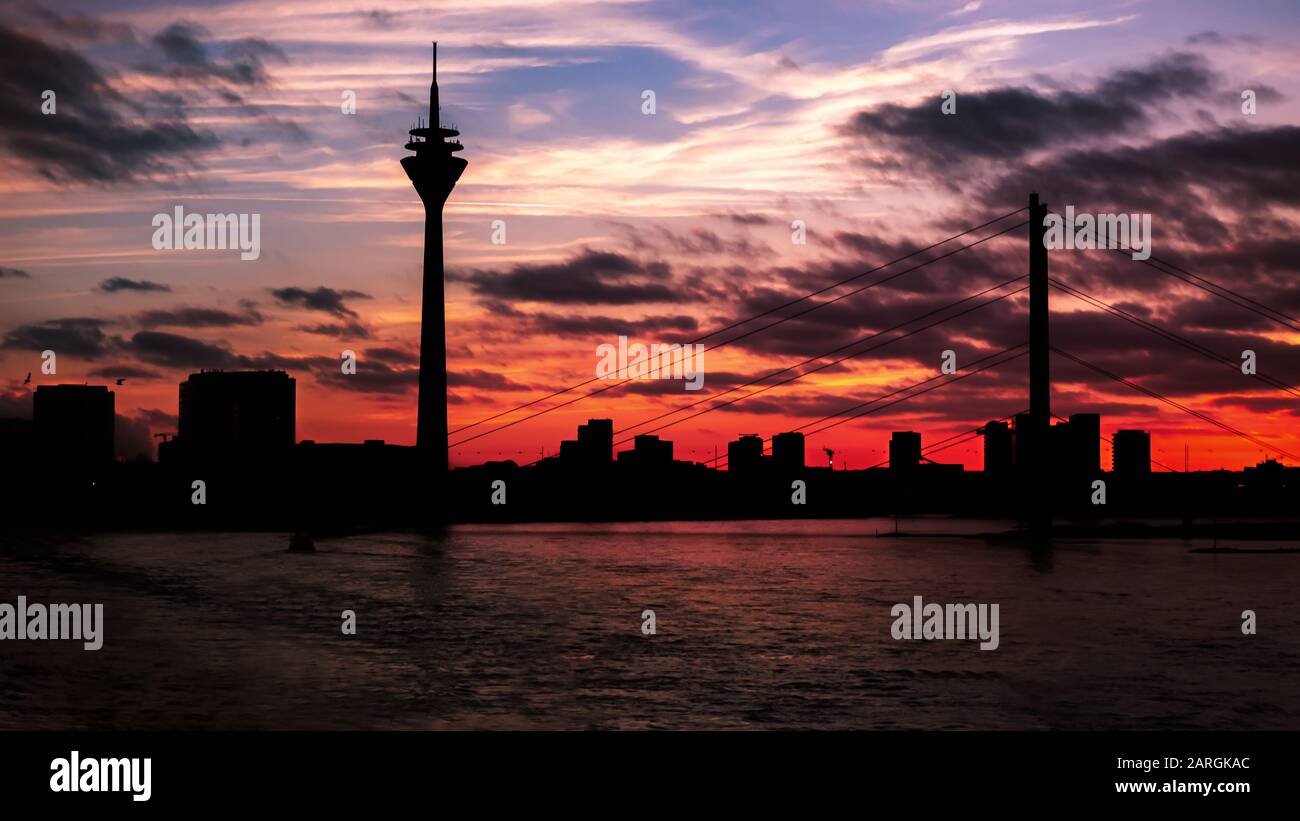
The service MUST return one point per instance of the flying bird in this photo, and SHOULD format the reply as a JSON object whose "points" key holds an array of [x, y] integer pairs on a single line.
{"points": [[28, 379], [121, 380]]}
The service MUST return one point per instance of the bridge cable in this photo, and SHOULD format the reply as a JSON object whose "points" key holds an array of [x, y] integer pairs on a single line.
{"points": [[908, 388], [854, 292], [824, 355], [750, 319], [1168, 334], [1156, 395]]}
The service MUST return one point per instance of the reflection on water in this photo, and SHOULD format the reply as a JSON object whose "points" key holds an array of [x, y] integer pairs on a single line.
{"points": [[760, 624]]}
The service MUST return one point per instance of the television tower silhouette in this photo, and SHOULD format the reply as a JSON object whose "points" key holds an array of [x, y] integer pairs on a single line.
{"points": [[433, 170]]}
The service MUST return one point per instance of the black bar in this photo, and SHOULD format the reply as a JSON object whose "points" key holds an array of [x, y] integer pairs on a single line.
{"points": [[481, 772]]}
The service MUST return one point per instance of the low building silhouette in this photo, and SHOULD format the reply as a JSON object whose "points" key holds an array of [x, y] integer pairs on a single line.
{"points": [[73, 425], [245, 416], [745, 455], [904, 450], [1022, 442], [1075, 446], [999, 450], [1131, 452], [596, 440], [17, 442], [648, 451], [788, 451], [1083, 445], [594, 446]]}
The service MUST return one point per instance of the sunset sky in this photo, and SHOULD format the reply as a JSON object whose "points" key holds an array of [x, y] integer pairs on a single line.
{"points": [[661, 227]]}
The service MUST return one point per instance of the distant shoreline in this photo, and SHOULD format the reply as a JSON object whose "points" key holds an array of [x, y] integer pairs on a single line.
{"points": [[1271, 529]]}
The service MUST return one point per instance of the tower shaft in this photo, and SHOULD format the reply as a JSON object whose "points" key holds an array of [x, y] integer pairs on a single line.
{"points": [[431, 415]]}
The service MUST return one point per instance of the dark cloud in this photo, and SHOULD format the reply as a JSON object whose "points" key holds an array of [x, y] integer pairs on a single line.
{"points": [[159, 418], [484, 380], [714, 382], [341, 330], [583, 325], [14, 273], [84, 27], [180, 42], [113, 285], [187, 353], [1255, 254], [1119, 346], [95, 136], [176, 351], [190, 57], [896, 295], [1207, 313], [321, 299], [268, 361], [279, 128], [1007, 123], [746, 218], [379, 18], [191, 317], [1188, 182], [1215, 38], [1112, 343], [371, 377], [1181, 74], [81, 337], [1275, 403], [695, 242], [393, 356], [588, 278], [867, 244]]}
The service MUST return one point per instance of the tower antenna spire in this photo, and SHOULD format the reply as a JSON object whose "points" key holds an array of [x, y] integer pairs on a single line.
{"points": [[434, 107]]}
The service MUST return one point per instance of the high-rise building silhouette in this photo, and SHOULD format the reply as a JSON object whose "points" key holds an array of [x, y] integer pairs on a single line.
{"points": [[433, 170], [235, 415], [904, 450], [1083, 445], [73, 425], [1131, 452], [745, 454], [596, 441], [998, 453], [788, 451]]}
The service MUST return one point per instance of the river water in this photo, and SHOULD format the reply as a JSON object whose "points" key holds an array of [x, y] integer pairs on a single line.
{"points": [[770, 624]]}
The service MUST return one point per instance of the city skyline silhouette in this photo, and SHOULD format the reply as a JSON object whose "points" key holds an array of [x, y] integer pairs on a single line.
{"points": [[525, 317], [239, 422], [237, 428]]}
